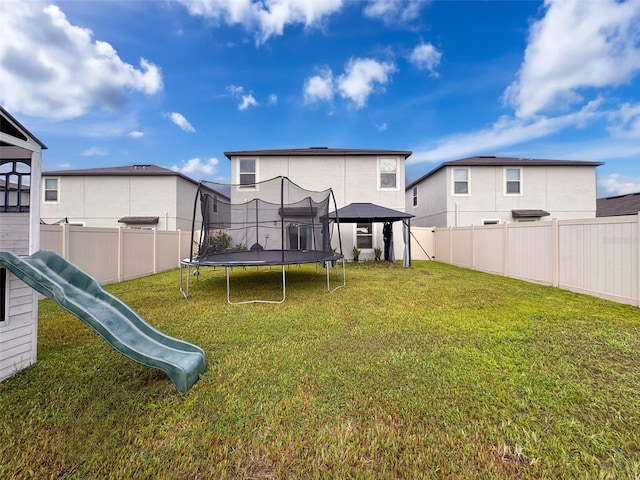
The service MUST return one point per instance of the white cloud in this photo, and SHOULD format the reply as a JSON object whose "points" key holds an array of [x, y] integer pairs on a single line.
{"points": [[94, 152], [626, 122], [381, 127], [426, 57], [247, 101], [391, 11], [273, 99], [234, 90], [197, 166], [615, 184], [136, 134], [53, 69], [576, 45], [362, 77], [507, 131], [266, 18], [180, 121], [319, 87]]}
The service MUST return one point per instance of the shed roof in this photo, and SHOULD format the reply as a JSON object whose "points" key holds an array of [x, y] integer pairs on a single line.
{"points": [[315, 152], [628, 204], [361, 212], [15, 129], [493, 161]]}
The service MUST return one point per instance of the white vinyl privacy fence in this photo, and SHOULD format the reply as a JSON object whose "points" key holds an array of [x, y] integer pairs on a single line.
{"points": [[599, 256], [115, 254]]}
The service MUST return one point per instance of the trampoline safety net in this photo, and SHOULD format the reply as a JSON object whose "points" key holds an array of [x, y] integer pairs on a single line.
{"points": [[277, 223]]}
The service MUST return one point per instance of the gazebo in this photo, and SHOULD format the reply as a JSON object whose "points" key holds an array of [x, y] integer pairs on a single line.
{"points": [[370, 212]]}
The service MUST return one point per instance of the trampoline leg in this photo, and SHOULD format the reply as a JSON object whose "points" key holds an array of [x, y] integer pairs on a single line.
{"points": [[185, 292], [284, 290], [344, 277]]}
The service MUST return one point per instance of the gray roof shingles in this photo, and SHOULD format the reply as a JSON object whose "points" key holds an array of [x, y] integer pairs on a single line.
{"points": [[314, 152], [628, 204]]}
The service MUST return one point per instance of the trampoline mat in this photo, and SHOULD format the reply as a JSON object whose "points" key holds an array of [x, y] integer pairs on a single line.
{"points": [[248, 258]]}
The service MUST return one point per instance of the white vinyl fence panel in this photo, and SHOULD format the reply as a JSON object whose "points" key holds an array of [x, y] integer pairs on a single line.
{"points": [[599, 256], [115, 254]]}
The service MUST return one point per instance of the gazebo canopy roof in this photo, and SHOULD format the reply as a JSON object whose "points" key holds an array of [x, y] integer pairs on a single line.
{"points": [[367, 212]]}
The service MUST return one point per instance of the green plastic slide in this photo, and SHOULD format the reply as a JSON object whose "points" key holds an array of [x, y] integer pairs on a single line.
{"points": [[74, 290]]}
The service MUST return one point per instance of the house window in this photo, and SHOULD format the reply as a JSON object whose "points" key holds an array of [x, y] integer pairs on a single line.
{"points": [[51, 190], [15, 177], [215, 204], [414, 194], [513, 180], [388, 173], [248, 173], [364, 235], [490, 221], [460, 181], [4, 294]]}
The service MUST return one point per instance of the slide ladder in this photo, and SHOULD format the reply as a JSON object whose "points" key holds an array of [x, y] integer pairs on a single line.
{"points": [[77, 292]]}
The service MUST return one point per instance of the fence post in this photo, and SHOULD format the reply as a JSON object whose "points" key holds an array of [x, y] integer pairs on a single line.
{"points": [[505, 268], [473, 247], [120, 252], [65, 241], [155, 250], [555, 254], [179, 246], [638, 254]]}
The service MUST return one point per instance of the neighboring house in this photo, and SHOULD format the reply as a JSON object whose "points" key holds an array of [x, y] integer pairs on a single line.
{"points": [[20, 167], [356, 176], [138, 196], [628, 204], [489, 190]]}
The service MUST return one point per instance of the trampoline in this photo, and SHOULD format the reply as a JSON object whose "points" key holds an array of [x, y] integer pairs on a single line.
{"points": [[282, 225]]}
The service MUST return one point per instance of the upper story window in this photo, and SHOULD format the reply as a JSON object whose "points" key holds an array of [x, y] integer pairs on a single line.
{"points": [[248, 173], [388, 173], [51, 190], [461, 181], [15, 177], [513, 181], [414, 196]]}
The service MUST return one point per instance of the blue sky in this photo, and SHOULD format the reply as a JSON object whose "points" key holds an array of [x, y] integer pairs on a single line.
{"points": [[177, 83]]}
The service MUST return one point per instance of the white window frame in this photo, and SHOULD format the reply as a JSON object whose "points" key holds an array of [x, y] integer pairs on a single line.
{"points": [[414, 196], [239, 175], [364, 235], [389, 172], [45, 190], [453, 182], [506, 180]]}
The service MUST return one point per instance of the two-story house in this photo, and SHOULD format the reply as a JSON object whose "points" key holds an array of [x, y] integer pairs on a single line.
{"points": [[20, 167], [356, 176], [136, 196], [488, 190]]}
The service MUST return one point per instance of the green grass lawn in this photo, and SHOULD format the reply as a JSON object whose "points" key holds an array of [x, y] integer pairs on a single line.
{"points": [[428, 372]]}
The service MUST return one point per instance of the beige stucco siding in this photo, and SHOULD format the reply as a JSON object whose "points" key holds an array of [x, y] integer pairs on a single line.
{"points": [[352, 179], [565, 192]]}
